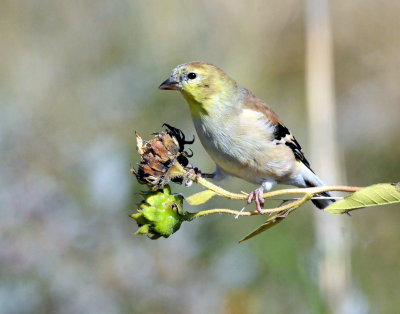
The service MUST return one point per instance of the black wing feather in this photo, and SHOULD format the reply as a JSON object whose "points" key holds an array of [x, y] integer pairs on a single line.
{"points": [[280, 134]]}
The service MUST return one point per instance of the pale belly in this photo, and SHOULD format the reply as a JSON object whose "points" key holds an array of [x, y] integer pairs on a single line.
{"points": [[246, 152]]}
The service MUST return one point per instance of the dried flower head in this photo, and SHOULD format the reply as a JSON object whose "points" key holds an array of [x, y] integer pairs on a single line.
{"points": [[162, 158]]}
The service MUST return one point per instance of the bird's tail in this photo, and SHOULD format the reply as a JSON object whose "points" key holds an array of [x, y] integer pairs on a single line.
{"points": [[312, 180], [321, 204]]}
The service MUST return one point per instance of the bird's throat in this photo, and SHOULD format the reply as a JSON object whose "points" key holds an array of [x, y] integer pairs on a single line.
{"points": [[197, 109]]}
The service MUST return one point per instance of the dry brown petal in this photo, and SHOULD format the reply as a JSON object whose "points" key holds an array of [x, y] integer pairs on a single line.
{"points": [[156, 165], [160, 150], [139, 144], [171, 145]]}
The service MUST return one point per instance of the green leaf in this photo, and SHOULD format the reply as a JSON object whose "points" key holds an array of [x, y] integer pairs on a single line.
{"points": [[200, 198], [272, 221], [374, 195]]}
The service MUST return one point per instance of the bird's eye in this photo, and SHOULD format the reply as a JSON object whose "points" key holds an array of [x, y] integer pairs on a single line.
{"points": [[192, 76]]}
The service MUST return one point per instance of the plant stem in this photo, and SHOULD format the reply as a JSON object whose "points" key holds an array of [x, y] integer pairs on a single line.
{"points": [[314, 190], [286, 209]]}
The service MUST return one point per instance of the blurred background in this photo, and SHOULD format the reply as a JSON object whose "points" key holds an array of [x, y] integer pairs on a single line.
{"points": [[77, 78]]}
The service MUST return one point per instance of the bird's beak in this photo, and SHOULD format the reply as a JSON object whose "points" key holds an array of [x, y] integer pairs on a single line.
{"points": [[171, 83]]}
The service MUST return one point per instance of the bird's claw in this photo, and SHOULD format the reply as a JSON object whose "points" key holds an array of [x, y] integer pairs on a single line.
{"points": [[257, 196], [189, 173]]}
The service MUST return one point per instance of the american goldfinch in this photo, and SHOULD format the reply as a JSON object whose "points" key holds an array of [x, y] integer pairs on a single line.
{"points": [[241, 133]]}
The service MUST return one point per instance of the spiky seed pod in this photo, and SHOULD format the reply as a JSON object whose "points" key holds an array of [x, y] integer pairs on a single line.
{"points": [[162, 158], [160, 214]]}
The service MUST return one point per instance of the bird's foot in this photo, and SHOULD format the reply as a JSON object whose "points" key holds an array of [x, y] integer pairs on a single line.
{"points": [[196, 171], [188, 176], [257, 196]]}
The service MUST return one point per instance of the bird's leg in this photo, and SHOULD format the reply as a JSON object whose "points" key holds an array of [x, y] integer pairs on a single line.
{"points": [[188, 180], [207, 175], [257, 194]]}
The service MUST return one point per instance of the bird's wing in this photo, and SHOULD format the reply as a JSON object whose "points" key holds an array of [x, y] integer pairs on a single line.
{"points": [[281, 134]]}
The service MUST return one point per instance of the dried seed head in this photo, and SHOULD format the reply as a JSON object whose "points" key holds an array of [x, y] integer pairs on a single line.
{"points": [[162, 158]]}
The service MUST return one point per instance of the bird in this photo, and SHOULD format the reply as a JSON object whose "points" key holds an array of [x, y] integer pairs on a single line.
{"points": [[241, 133]]}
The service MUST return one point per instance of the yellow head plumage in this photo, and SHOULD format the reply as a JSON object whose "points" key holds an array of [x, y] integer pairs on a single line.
{"points": [[203, 85]]}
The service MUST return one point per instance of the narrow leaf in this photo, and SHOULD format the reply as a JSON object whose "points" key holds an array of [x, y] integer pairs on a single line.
{"points": [[374, 195], [272, 221], [200, 198]]}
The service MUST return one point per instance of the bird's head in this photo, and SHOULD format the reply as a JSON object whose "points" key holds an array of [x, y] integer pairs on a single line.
{"points": [[202, 84]]}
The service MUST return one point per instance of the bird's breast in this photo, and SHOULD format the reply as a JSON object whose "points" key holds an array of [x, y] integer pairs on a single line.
{"points": [[241, 145]]}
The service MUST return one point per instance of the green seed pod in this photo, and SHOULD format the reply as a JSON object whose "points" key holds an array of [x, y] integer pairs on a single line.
{"points": [[160, 214]]}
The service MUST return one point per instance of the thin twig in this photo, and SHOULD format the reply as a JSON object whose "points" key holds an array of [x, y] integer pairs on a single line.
{"points": [[314, 190], [291, 206], [294, 203]]}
